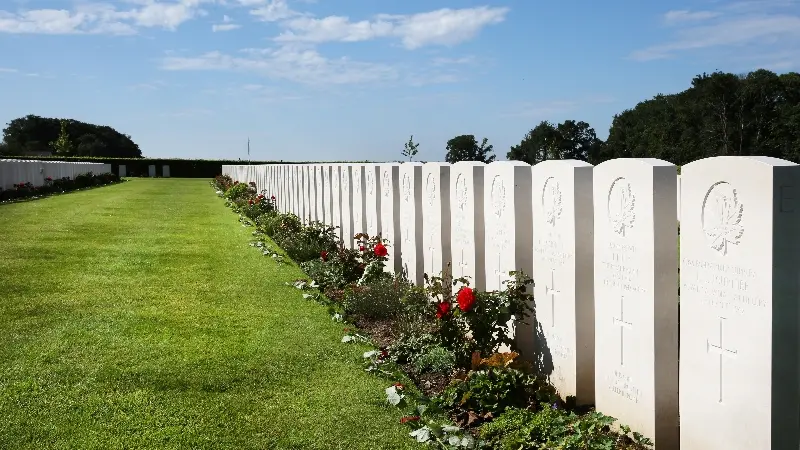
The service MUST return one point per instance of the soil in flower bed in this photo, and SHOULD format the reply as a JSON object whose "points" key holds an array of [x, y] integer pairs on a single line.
{"points": [[431, 384], [380, 331]]}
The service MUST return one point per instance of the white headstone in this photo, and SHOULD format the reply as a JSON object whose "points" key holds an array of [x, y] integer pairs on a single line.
{"points": [[467, 232], [636, 298], [297, 205], [165, 171], [336, 199], [507, 215], [563, 267], [285, 198], [359, 203], [123, 171], [327, 196], [151, 171], [436, 217], [411, 221], [311, 193], [372, 198], [679, 198], [319, 196], [739, 310], [390, 214], [346, 192]]}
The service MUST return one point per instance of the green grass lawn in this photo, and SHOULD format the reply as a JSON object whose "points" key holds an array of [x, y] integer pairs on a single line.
{"points": [[136, 316]]}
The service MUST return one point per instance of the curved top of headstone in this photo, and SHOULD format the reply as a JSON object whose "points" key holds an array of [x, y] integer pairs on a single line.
{"points": [[412, 163], [438, 163], [562, 162], [468, 163], [748, 160], [509, 163], [653, 162]]}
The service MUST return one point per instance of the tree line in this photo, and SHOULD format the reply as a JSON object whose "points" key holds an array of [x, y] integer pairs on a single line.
{"points": [[34, 135], [757, 113]]}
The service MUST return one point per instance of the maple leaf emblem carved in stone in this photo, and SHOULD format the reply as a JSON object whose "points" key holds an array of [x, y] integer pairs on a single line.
{"points": [[621, 204], [406, 188], [551, 201], [498, 196], [722, 217], [430, 189]]}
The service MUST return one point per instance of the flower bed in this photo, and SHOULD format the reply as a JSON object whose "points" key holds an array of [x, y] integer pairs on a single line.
{"points": [[437, 345], [25, 190]]}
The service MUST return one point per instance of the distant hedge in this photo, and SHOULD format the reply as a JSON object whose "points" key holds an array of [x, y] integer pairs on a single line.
{"points": [[180, 168]]}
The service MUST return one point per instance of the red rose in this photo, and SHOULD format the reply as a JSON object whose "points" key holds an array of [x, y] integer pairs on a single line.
{"points": [[442, 309], [398, 386], [250, 202], [409, 419], [466, 299], [380, 250], [324, 255], [273, 198], [361, 248]]}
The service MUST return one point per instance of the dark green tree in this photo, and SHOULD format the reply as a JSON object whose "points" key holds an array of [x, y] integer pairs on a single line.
{"points": [[33, 134], [567, 140], [466, 148], [90, 145]]}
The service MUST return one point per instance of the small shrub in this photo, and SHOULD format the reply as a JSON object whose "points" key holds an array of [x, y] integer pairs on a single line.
{"points": [[378, 300], [256, 207], [489, 391], [308, 243], [435, 359], [239, 192], [552, 427], [522, 429], [281, 224], [411, 344], [222, 183]]}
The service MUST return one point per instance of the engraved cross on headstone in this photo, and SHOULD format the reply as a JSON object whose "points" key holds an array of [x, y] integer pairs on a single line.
{"points": [[721, 351], [499, 273], [622, 324], [431, 248], [552, 292], [462, 263]]}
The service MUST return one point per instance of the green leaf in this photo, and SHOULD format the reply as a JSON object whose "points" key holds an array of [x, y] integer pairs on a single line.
{"points": [[422, 435]]}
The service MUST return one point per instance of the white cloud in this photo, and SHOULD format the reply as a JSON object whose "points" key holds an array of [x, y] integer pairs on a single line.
{"points": [[270, 11], [291, 63], [684, 15], [305, 65], [99, 18], [751, 28], [226, 25], [441, 27]]}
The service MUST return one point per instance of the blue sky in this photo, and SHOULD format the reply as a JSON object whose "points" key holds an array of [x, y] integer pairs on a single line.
{"points": [[352, 79]]}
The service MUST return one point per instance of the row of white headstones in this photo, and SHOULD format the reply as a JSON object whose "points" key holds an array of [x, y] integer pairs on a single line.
{"points": [[14, 171], [601, 243]]}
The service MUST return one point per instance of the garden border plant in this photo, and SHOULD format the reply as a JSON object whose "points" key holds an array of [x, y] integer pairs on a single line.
{"points": [[27, 191], [437, 344]]}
